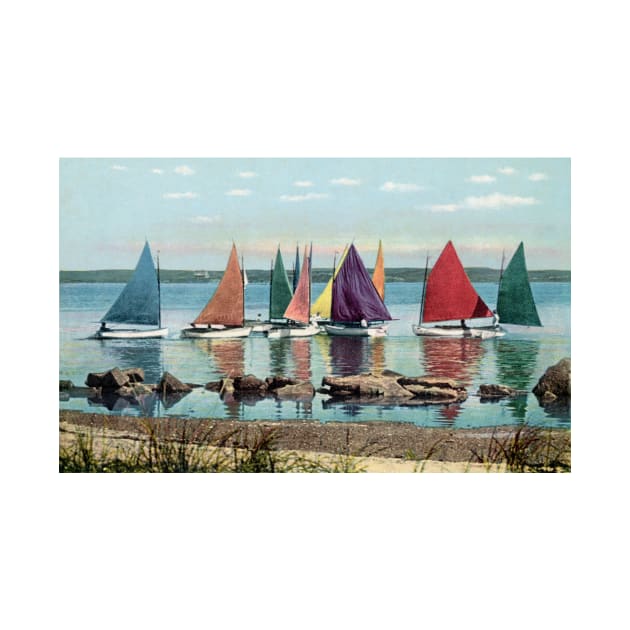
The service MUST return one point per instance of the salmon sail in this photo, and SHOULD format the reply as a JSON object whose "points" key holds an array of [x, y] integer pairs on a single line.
{"points": [[139, 301], [227, 304], [449, 293], [378, 277], [354, 296], [322, 305], [300, 306], [296, 268], [515, 302], [280, 291]]}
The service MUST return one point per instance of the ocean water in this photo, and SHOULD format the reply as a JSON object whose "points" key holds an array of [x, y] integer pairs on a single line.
{"points": [[517, 360]]}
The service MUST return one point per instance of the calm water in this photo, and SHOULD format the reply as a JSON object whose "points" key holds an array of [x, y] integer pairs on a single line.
{"points": [[518, 359]]}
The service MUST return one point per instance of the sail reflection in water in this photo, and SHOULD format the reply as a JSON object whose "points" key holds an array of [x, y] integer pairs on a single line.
{"points": [[301, 352], [516, 365], [457, 358], [227, 355]]}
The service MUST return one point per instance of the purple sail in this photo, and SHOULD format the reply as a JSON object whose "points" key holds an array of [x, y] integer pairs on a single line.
{"points": [[354, 296]]}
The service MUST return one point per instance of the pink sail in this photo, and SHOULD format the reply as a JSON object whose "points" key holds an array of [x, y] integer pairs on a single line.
{"points": [[300, 305]]}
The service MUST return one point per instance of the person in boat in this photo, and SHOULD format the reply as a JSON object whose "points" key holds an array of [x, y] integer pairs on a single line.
{"points": [[103, 327], [462, 323], [495, 319], [364, 323]]}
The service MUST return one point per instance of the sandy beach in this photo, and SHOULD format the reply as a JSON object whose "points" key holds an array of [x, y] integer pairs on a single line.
{"points": [[373, 446]]}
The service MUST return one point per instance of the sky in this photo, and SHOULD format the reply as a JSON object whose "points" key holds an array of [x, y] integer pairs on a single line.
{"points": [[191, 210]]}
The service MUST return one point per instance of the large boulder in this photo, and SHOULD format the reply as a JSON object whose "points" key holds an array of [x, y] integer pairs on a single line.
{"points": [[366, 386], [249, 383], [109, 381], [555, 384], [169, 384], [298, 391], [274, 382]]}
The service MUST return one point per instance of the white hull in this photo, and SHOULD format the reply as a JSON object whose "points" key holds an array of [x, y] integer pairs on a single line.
{"points": [[261, 328], [293, 331], [457, 332], [356, 331], [131, 334], [211, 333]]}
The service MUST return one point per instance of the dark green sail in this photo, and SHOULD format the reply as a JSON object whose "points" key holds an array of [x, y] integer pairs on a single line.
{"points": [[515, 302], [280, 289]]}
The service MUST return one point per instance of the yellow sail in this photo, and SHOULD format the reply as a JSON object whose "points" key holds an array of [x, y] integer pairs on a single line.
{"points": [[378, 277], [322, 306]]}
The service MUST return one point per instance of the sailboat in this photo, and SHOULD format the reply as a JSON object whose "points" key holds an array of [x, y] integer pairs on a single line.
{"points": [[357, 309], [321, 307], [515, 301], [296, 268], [448, 295], [224, 314], [298, 310], [138, 304]]}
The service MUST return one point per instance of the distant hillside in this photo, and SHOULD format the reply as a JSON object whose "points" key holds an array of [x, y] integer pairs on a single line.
{"points": [[261, 276]]}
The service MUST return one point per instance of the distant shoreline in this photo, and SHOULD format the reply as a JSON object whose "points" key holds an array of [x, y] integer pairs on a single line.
{"points": [[261, 276]]}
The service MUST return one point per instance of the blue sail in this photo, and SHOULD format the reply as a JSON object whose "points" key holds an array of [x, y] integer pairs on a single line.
{"points": [[139, 301]]}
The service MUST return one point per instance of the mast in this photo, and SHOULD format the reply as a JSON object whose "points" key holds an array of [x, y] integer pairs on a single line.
{"points": [[500, 275], [424, 289], [243, 283], [333, 285], [310, 279], [159, 291], [270, 286]]}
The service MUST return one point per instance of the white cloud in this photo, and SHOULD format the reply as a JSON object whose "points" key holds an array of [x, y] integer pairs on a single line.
{"points": [[303, 184], [118, 167], [238, 192], [538, 177], [247, 174], [398, 187], [157, 171], [498, 200], [507, 170], [345, 181], [305, 197], [205, 220], [180, 195], [481, 179], [184, 170], [445, 207]]}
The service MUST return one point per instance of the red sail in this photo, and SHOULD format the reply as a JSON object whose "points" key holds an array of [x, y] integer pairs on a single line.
{"points": [[226, 305], [449, 294], [300, 306]]}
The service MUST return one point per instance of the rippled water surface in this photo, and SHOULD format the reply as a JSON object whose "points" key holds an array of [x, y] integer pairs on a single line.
{"points": [[517, 360]]}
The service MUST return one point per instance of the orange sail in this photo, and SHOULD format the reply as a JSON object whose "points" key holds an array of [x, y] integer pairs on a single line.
{"points": [[300, 305], [378, 277], [227, 304], [449, 293]]}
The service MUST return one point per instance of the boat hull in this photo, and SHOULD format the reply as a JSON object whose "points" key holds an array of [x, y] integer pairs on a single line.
{"points": [[293, 331], [131, 333], [356, 331], [458, 332], [210, 333]]}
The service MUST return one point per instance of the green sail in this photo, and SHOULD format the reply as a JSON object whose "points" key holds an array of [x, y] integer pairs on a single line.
{"points": [[281, 294], [515, 302]]}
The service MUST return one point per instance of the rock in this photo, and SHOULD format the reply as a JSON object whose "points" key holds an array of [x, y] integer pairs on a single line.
{"points": [[437, 394], [496, 391], [366, 386], [299, 391], [125, 392], [249, 383], [135, 375], [429, 381], [140, 389], [274, 382], [110, 380], [171, 385], [213, 386], [555, 381], [65, 385]]}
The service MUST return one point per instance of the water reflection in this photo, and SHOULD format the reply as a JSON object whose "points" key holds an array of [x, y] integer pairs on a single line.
{"points": [[279, 351], [127, 353], [516, 361], [452, 358], [301, 352], [228, 355]]}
